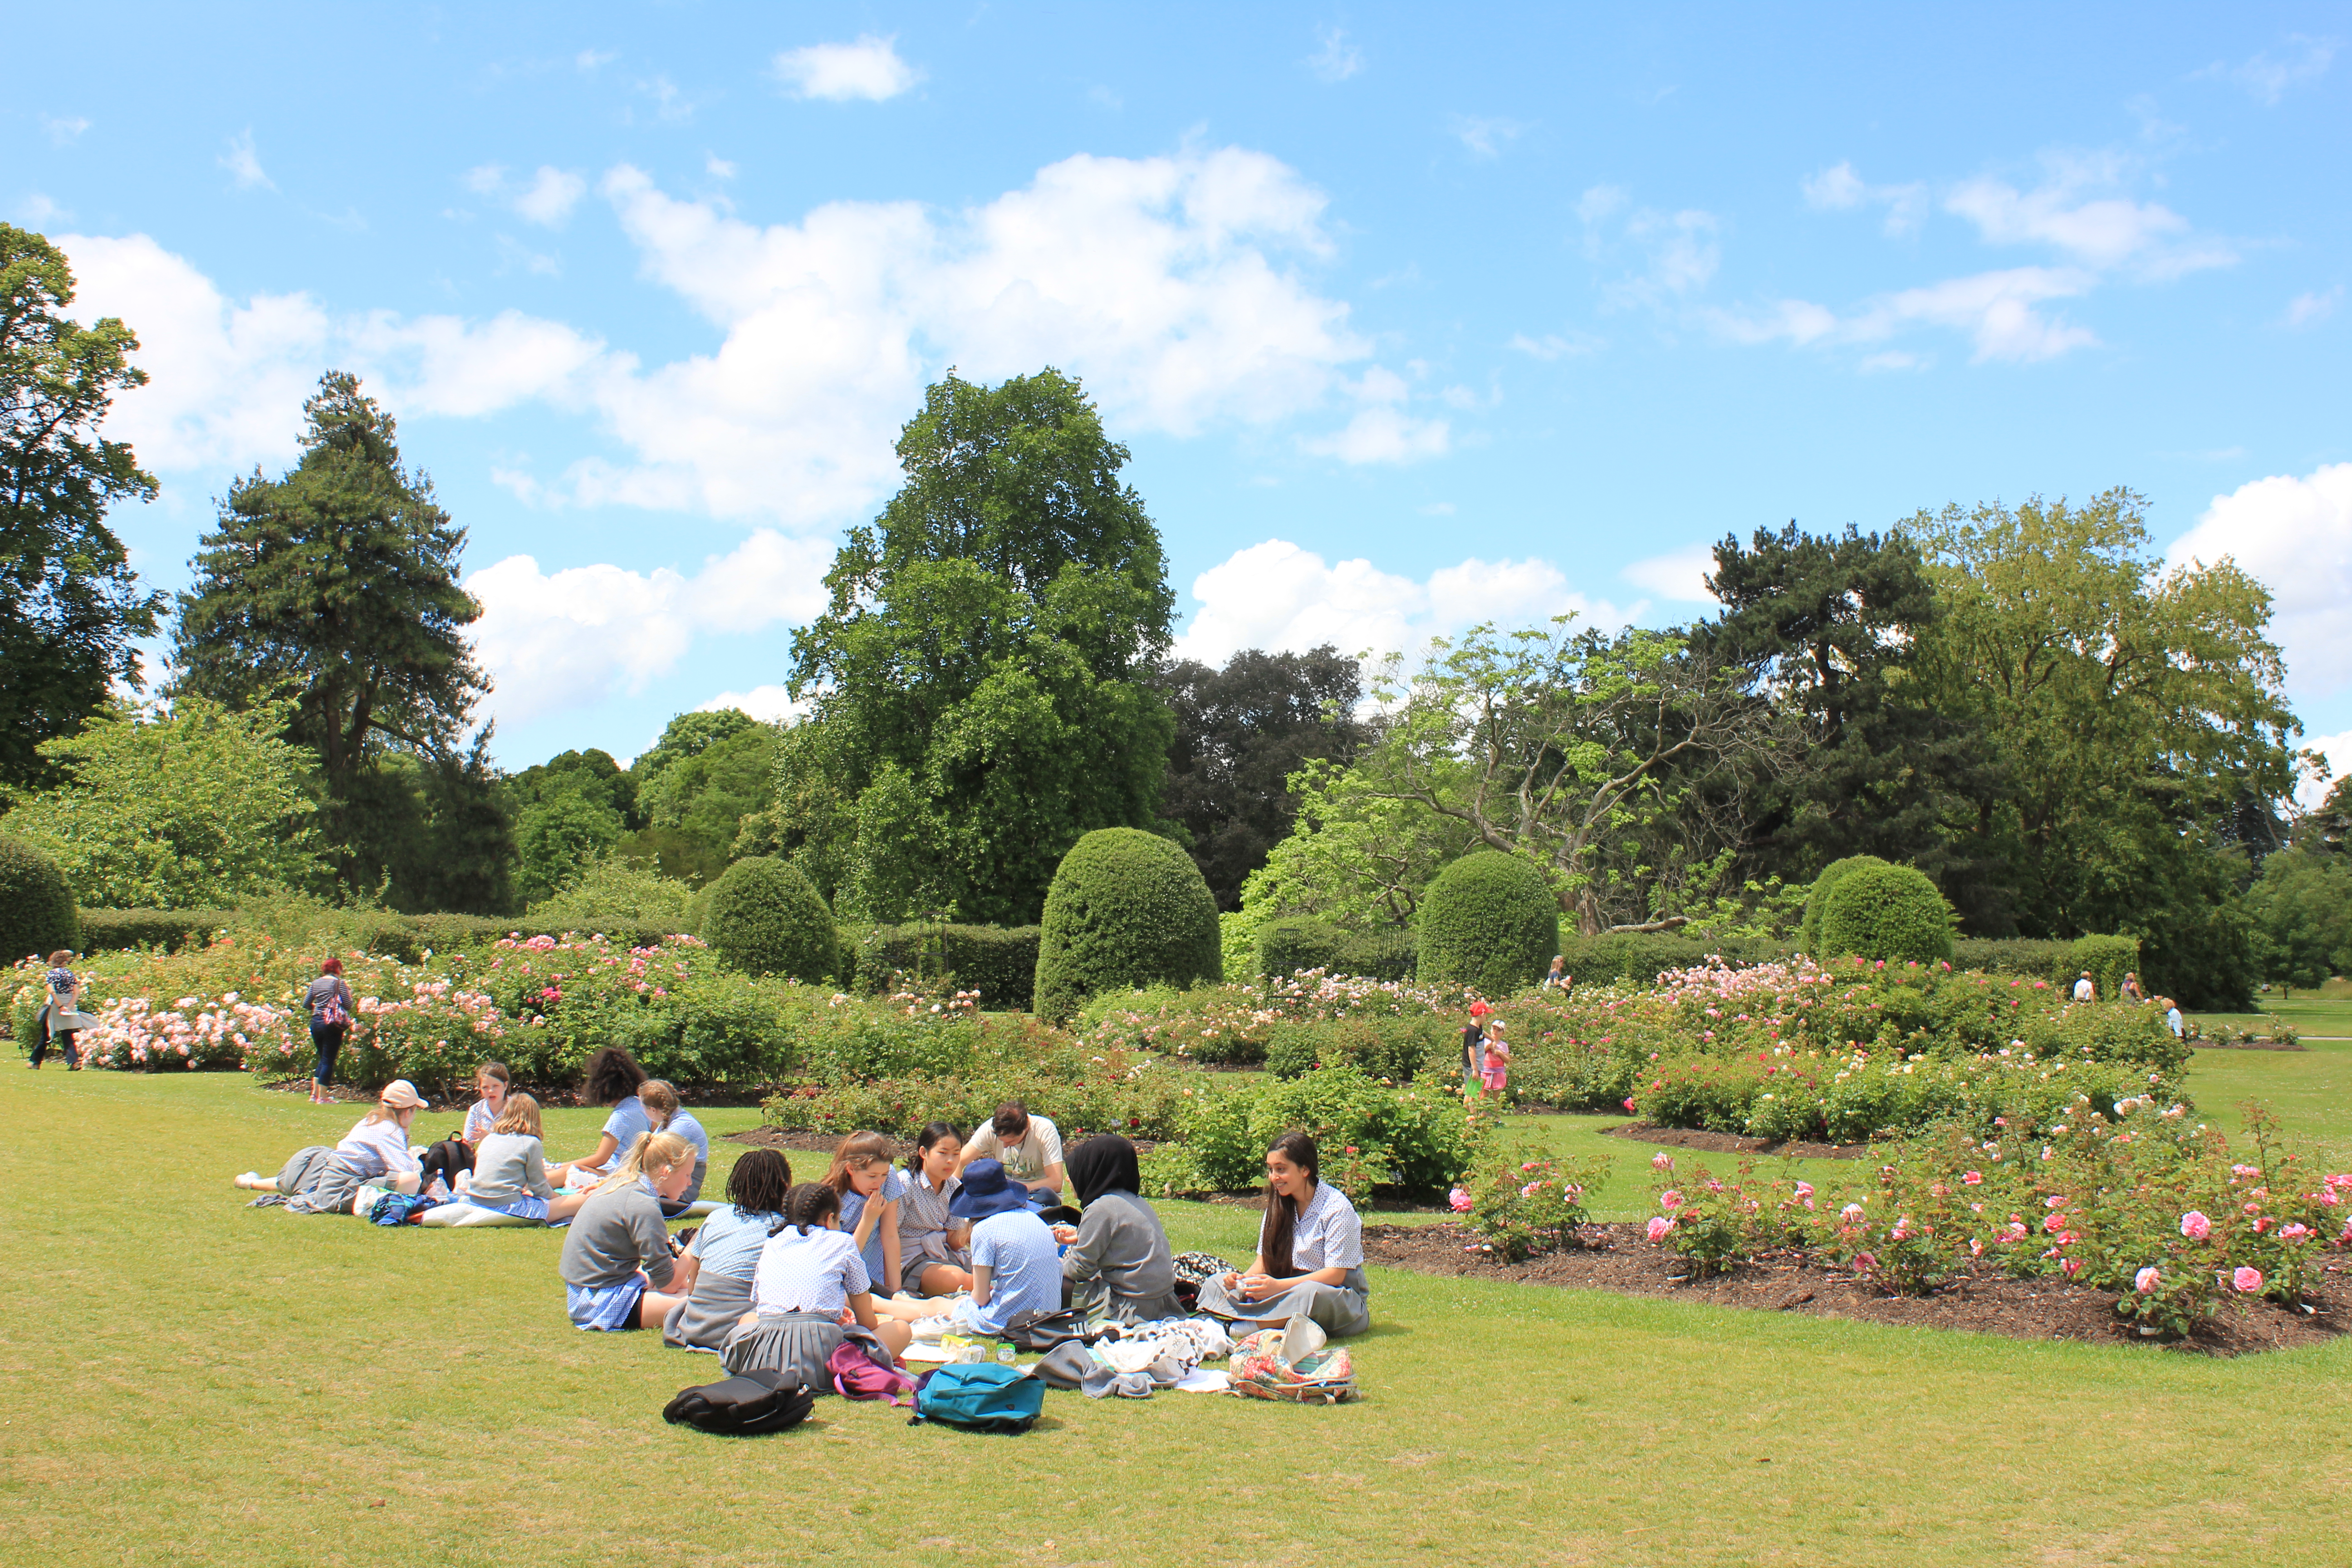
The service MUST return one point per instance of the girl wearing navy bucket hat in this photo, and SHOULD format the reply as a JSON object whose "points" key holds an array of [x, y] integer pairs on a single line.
{"points": [[1015, 1265]]}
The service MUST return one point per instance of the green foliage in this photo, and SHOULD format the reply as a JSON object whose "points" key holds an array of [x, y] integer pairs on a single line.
{"points": [[998, 964], [1818, 901], [71, 611], [570, 813], [614, 896], [1637, 958], [191, 809], [1125, 909], [982, 675], [1528, 1200], [36, 904], [114, 930], [694, 786], [1359, 857], [765, 918], [1392, 1049], [1241, 733], [1491, 922], [337, 585], [2108, 959], [1368, 1133], [2301, 907], [1139, 1100], [1891, 912], [1296, 944]]}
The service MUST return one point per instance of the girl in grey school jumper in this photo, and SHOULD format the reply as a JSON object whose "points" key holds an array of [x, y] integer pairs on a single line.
{"points": [[617, 1257]]}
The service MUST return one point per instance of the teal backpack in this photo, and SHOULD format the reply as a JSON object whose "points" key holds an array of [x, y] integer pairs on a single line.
{"points": [[980, 1396]]}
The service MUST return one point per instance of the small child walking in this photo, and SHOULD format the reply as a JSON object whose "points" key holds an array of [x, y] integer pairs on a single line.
{"points": [[1495, 1061]]}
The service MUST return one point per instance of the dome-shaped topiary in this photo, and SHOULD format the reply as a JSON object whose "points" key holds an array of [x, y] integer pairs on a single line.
{"points": [[1891, 912], [37, 907], [1126, 907], [765, 918], [1490, 920], [1809, 936]]}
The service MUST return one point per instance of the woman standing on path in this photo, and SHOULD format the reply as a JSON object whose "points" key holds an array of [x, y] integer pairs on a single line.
{"points": [[330, 1002], [1310, 1251], [63, 1007]]}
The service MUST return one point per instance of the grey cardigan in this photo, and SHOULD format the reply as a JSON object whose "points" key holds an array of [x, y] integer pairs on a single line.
{"points": [[617, 1232], [1121, 1244]]}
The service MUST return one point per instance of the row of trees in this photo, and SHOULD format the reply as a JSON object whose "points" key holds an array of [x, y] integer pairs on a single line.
{"points": [[2020, 701]]}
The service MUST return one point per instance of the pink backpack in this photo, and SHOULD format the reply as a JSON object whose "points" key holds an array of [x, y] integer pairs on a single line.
{"points": [[860, 1371]]}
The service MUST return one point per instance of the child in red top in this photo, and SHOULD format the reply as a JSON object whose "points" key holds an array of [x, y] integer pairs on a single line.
{"points": [[1494, 1062]]}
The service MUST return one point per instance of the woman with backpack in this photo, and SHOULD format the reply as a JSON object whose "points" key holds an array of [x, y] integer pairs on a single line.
{"points": [[331, 1004], [715, 1275], [61, 1015], [810, 1293], [1310, 1251], [617, 1258], [1118, 1260]]}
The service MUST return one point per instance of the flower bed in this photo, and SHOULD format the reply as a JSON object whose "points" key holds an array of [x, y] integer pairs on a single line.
{"points": [[2150, 1205]]}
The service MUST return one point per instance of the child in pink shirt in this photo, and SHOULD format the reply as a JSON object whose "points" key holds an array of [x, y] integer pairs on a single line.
{"points": [[1495, 1061]]}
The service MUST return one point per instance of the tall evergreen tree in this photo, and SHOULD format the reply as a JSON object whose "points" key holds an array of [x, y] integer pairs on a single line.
{"points": [[70, 606], [337, 587]]}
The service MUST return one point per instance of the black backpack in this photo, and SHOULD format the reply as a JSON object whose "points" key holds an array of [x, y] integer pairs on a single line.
{"points": [[1033, 1332], [744, 1405]]}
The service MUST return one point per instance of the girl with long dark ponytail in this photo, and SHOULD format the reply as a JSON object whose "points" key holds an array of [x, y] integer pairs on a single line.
{"points": [[1310, 1251]]}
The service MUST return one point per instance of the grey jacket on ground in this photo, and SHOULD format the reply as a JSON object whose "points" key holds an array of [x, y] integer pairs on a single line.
{"points": [[1122, 1253], [618, 1231]]}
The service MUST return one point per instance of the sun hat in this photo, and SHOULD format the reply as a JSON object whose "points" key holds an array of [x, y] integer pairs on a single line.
{"points": [[401, 1095], [1479, 1009], [986, 1190]]}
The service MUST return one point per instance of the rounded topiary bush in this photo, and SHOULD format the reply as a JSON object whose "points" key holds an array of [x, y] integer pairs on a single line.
{"points": [[1489, 920], [1127, 908], [765, 918], [1891, 912], [36, 906], [1808, 935]]}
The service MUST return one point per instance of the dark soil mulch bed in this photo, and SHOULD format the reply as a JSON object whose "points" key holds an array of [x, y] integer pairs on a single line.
{"points": [[1616, 1257], [1731, 1143]]}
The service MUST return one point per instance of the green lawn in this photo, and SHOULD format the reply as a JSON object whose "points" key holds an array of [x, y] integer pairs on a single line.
{"points": [[190, 1380], [2305, 1013]]}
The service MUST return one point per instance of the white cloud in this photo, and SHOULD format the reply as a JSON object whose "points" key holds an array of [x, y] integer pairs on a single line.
{"points": [[484, 179], [1555, 345], [1679, 575], [2266, 79], [226, 381], [63, 130], [1382, 432], [717, 167], [1683, 250], [1337, 58], [587, 61], [2103, 232], [869, 69], [2295, 536], [1999, 312], [2311, 791], [1275, 595], [770, 704], [1486, 136], [243, 164], [556, 640], [1840, 188], [552, 195], [2308, 309]]}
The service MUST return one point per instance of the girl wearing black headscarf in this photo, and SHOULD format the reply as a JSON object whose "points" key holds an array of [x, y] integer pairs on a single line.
{"points": [[1119, 1261]]}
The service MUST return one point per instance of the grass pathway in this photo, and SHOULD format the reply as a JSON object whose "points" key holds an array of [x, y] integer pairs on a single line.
{"points": [[190, 1380]]}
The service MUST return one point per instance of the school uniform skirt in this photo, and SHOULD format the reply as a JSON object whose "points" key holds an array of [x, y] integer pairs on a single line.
{"points": [[796, 1345]]}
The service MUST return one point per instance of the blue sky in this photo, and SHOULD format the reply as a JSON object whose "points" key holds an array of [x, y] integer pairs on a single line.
{"points": [[1411, 316]]}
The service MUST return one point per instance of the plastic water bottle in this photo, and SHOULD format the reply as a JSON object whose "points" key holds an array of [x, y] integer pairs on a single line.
{"points": [[1004, 1354]]}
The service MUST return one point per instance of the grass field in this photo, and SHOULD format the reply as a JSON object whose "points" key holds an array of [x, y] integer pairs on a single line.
{"points": [[190, 1380]]}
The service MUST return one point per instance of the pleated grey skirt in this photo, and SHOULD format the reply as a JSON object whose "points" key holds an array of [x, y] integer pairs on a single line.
{"points": [[797, 1344], [706, 1319]]}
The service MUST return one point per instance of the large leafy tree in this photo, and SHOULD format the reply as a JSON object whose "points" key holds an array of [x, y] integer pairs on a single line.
{"points": [[337, 584], [694, 786], [1578, 751], [980, 678], [193, 808], [70, 606], [1828, 628], [568, 812], [1241, 733], [2301, 911], [2135, 711]]}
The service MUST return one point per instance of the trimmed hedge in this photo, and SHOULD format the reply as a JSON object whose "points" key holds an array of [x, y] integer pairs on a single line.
{"points": [[2108, 958], [1809, 933], [1489, 920], [998, 962], [118, 931], [1125, 909], [1891, 912], [765, 918], [37, 907], [1285, 947], [1638, 958]]}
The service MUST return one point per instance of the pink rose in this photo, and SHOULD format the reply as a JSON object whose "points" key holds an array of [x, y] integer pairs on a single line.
{"points": [[1629, 1102], [1657, 1229], [2294, 1233], [1804, 1189], [2072, 1266], [1460, 1199], [2144, 1282], [1974, 1178], [1662, 1160], [2195, 1226], [1670, 1200], [2248, 1280], [1851, 1214]]}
